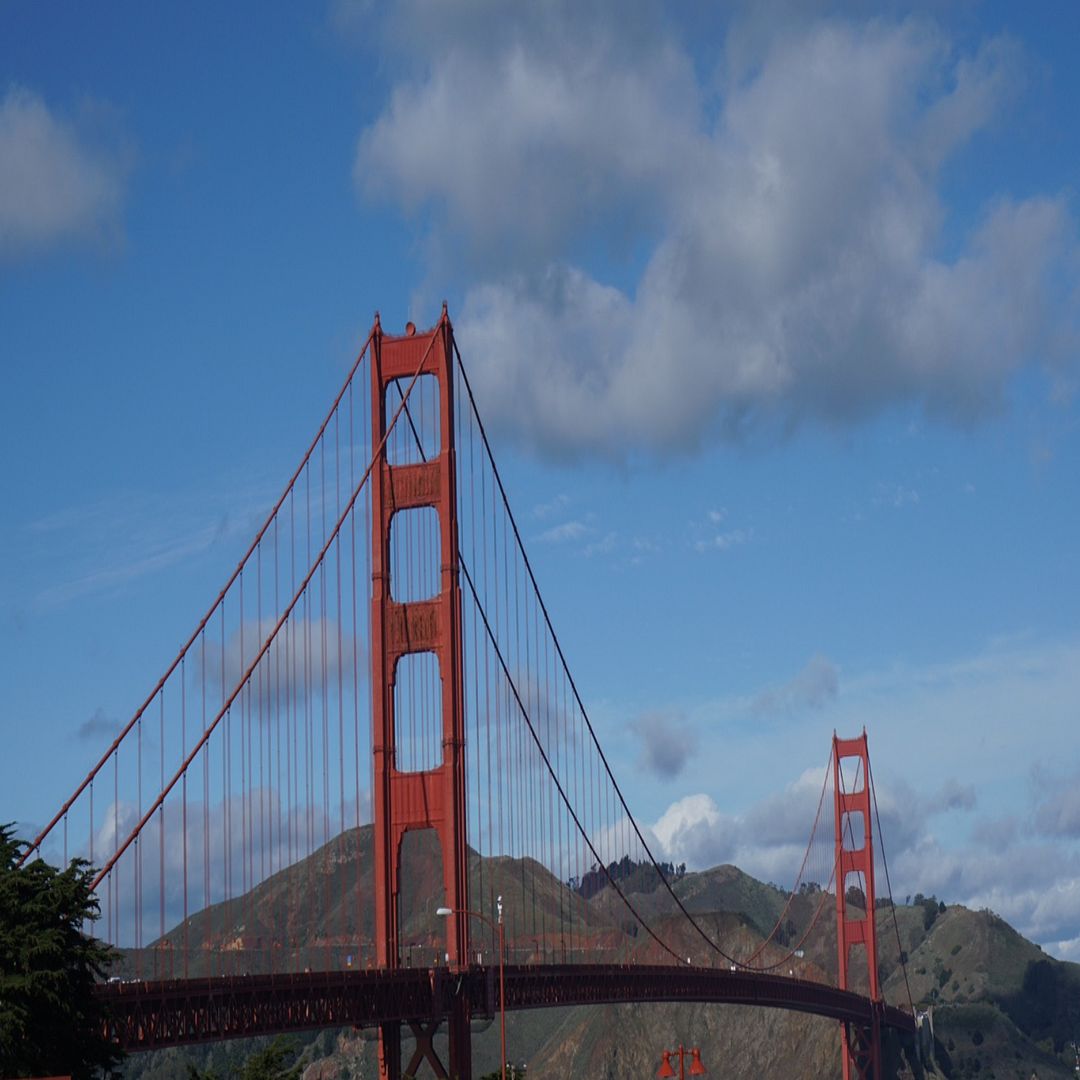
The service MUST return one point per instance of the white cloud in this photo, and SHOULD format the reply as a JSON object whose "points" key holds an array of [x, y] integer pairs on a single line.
{"points": [[1067, 950], [1033, 885], [694, 831], [308, 655], [813, 687], [564, 398], [724, 541], [552, 506], [793, 233], [1014, 851], [991, 835], [568, 530], [55, 184], [545, 119], [769, 840]]}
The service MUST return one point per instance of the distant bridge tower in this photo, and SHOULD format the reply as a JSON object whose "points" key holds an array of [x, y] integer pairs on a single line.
{"points": [[432, 798], [861, 1046]]}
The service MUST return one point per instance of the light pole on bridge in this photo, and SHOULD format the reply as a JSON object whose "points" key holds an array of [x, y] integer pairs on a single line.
{"points": [[498, 927], [696, 1068]]}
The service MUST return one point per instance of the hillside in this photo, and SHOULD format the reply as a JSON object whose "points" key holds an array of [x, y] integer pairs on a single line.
{"points": [[1000, 1007]]}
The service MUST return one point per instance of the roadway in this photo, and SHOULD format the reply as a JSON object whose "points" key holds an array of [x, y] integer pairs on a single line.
{"points": [[150, 1015]]}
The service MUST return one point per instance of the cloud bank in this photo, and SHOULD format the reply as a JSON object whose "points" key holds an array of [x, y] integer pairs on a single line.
{"points": [[664, 248], [1016, 872]]}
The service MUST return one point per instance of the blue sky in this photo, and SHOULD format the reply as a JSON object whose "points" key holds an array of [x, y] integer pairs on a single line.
{"points": [[773, 315]]}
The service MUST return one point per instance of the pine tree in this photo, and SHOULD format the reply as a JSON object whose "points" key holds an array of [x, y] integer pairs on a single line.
{"points": [[51, 1022]]}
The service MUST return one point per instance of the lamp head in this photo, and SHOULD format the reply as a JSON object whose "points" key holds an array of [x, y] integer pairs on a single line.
{"points": [[696, 1068], [665, 1065], [444, 911]]}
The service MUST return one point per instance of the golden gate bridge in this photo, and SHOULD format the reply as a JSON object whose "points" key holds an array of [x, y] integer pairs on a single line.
{"points": [[368, 784]]}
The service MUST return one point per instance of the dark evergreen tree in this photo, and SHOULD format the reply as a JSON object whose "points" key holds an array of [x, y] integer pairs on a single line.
{"points": [[51, 1022]]}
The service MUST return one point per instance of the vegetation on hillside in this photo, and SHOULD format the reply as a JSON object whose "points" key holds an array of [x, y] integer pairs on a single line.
{"points": [[277, 1060], [1001, 1007], [628, 874]]}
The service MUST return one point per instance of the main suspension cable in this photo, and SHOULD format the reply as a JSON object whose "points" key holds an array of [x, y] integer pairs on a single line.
{"points": [[300, 592], [901, 956], [566, 668], [798, 877], [528, 719], [36, 843]]}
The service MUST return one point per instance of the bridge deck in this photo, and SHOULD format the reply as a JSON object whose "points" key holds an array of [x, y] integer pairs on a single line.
{"points": [[148, 1015]]}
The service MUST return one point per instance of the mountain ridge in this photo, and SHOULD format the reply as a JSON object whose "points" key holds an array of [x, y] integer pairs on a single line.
{"points": [[998, 1005]]}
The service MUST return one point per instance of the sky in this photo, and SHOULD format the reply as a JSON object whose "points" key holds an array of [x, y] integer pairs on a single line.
{"points": [[773, 312]]}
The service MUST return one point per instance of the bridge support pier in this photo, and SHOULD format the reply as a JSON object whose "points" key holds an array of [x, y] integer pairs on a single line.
{"points": [[862, 1050], [460, 1053], [460, 1040], [425, 1049], [390, 1051]]}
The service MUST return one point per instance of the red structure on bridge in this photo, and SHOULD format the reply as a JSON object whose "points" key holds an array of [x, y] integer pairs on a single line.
{"points": [[431, 798], [855, 863], [271, 882]]}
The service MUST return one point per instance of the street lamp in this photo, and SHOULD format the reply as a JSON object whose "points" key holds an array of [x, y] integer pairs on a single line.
{"points": [[498, 927], [696, 1068]]}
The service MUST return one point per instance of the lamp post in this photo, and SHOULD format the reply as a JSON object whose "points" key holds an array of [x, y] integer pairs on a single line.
{"points": [[498, 927], [696, 1068]]}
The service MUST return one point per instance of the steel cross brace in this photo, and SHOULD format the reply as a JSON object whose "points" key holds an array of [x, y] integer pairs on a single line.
{"points": [[425, 1050]]}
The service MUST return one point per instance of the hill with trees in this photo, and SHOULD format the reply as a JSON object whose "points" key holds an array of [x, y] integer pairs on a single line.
{"points": [[999, 1006]]}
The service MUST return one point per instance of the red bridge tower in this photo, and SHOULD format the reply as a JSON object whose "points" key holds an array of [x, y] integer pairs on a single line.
{"points": [[433, 798], [861, 1047]]}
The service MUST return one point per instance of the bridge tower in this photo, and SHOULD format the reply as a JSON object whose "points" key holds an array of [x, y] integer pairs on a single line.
{"points": [[860, 1046], [433, 798]]}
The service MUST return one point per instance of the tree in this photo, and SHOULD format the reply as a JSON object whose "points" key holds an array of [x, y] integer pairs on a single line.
{"points": [[51, 1022], [269, 1063]]}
